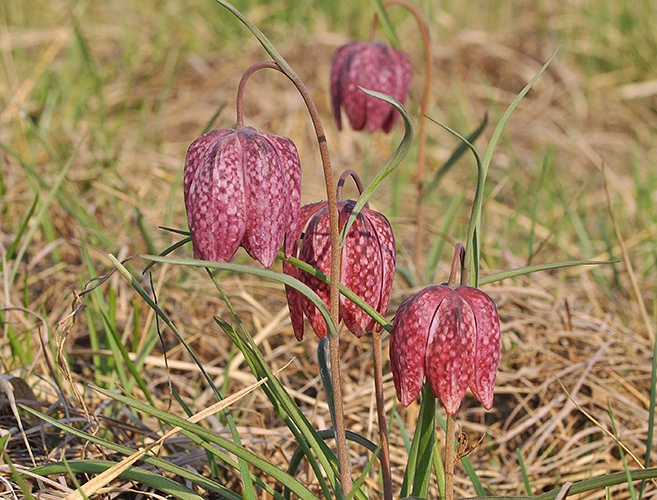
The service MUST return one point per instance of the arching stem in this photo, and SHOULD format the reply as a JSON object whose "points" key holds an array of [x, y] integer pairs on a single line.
{"points": [[386, 471], [457, 264], [343, 178], [419, 173], [334, 304]]}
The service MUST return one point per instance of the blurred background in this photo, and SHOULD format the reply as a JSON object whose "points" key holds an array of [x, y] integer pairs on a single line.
{"points": [[100, 100]]}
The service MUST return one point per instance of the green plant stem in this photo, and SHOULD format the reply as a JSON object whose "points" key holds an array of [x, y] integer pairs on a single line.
{"points": [[450, 457], [472, 246], [424, 106], [334, 294], [381, 414]]}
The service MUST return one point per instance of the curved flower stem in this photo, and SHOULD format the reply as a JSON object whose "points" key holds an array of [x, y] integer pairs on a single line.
{"points": [[381, 414], [343, 178], [242, 85], [334, 298], [450, 457], [459, 253], [419, 173]]}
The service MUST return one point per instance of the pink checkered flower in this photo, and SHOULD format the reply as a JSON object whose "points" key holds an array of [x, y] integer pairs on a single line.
{"points": [[368, 266], [373, 66], [242, 187], [451, 337]]}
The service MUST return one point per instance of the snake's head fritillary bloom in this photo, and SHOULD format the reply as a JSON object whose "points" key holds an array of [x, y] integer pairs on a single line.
{"points": [[451, 337], [373, 66], [368, 266], [242, 187]]}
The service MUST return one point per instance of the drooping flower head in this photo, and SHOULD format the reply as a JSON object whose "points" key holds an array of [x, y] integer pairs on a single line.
{"points": [[242, 187], [373, 66], [451, 336], [367, 266]]}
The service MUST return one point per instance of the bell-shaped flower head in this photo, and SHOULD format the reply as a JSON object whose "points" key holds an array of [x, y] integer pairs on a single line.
{"points": [[242, 187], [367, 267], [451, 337], [373, 66]]}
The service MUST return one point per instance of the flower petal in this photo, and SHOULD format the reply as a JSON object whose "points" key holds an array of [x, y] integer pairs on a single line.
{"points": [[264, 183], [214, 195], [408, 340], [450, 356], [294, 297], [487, 344], [361, 271]]}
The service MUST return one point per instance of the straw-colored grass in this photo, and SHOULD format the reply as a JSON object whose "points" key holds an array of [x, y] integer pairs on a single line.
{"points": [[120, 91]]}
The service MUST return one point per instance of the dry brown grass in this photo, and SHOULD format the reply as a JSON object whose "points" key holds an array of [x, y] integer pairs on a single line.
{"points": [[581, 328]]}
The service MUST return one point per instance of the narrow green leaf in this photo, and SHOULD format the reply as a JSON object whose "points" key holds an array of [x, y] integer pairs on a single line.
{"points": [[472, 247], [392, 163], [21, 230], [197, 479], [456, 155], [385, 23], [438, 467], [521, 271], [281, 476], [418, 467], [168, 250], [136, 474], [42, 213], [651, 413], [293, 418], [525, 477], [630, 485], [255, 271], [373, 313]]}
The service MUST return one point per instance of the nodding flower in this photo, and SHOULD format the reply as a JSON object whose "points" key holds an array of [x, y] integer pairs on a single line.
{"points": [[373, 66], [367, 266], [242, 187], [451, 336]]}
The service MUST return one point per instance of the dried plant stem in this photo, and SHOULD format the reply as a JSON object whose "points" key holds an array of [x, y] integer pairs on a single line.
{"points": [[334, 339], [381, 413], [419, 173], [450, 457]]}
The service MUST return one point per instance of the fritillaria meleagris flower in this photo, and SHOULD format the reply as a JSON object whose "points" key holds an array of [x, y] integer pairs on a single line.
{"points": [[242, 187], [451, 336], [367, 267], [373, 66]]}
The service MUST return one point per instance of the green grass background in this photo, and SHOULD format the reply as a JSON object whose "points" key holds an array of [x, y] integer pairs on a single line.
{"points": [[99, 101]]}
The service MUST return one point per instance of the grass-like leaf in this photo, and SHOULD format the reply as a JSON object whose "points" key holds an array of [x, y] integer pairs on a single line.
{"points": [[521, 271], [281, 476], [137, 474], [390, 165], [255, 271]]}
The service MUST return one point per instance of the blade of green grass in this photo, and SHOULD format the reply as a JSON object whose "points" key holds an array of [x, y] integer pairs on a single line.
{"points": [[279, 475], [521, 271], [651, 413], [42, 213], [525, 477], [389, 166], [630, 484], [456, 155], [418, 466], [165, 465], [136, 474]]}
